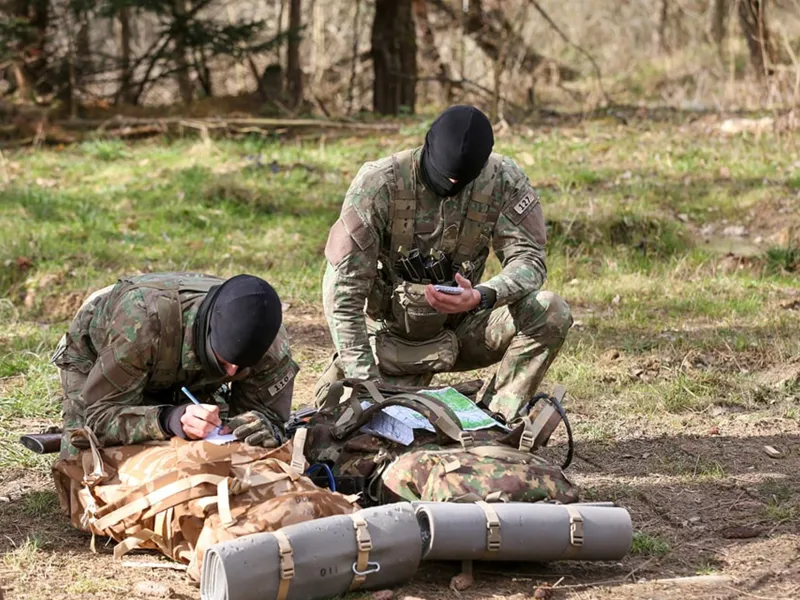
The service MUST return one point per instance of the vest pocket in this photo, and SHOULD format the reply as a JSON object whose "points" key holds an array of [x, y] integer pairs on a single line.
{"points": [[399, 356]]}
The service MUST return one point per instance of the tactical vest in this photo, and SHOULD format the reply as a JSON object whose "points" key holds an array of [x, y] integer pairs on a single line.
{"points": [[401, 303], [461, 243], [167, 364]]}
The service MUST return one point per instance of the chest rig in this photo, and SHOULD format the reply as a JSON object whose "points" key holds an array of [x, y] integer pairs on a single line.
{"points": [[404, 307], [460, 241]]}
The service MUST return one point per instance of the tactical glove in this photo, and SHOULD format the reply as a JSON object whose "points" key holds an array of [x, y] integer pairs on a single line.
{"points": [[255, 428]]}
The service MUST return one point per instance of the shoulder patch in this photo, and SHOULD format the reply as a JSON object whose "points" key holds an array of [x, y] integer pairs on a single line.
{"points": [[524, 204], [519, 208], [281, 383], [356, 227]]}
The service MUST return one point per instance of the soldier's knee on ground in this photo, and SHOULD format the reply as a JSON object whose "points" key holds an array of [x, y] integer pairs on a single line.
{"points": [[543, 314]]}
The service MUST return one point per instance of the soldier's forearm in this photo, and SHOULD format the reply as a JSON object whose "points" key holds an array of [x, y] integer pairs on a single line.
{"points": [[517, 279], [116, 425]]}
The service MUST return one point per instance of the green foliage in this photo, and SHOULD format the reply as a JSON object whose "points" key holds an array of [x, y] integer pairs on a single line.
{"points": [[648, 545], [783, 260], [15, 34]]}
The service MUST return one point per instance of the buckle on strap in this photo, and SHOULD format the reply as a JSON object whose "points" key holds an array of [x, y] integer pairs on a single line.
{"points": [[526, 441], [285, 551], [363, 538], [466, 439], [492, 527], [575, 527]]}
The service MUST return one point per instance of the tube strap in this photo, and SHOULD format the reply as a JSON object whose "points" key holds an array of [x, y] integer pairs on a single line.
{"points": [[492, 526], [286, 564], [575, 531], [364, 545]]}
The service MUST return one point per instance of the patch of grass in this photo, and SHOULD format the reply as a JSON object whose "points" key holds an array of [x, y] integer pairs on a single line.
{"points": [[24, 555], [105, 150], [40, 504], [707, 567], [89, 584], [781, 505], [693, 467], [783, 260], [649, 545]]}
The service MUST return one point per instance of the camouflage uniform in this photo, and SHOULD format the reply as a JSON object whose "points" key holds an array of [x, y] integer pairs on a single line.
{"points": [[129, 350], [387, 203]]}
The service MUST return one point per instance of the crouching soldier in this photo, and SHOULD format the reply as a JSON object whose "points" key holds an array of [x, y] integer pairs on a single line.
{"points": [[134, 345], [430, 215]]}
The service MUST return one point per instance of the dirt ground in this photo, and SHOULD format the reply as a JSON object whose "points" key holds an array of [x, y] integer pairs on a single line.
{"points": [[734, 518]]}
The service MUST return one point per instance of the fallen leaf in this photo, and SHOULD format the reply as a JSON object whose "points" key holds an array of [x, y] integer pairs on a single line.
{"points": [[616, 299], [713, 431], [791, 304], [724, 173], [527, 159], [610, 355], [543, 592], [383, 595], [772, 452], [739, 533], [153, 589], [683, 217], [24, 263], [461, 582]]}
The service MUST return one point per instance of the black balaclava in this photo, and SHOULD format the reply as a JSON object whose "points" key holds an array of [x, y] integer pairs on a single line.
{"points": [[243, 317], [457, 146]]}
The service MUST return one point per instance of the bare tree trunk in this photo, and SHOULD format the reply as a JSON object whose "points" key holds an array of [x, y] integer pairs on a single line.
{"points": [[29, 75], [430, 49], [753, 19], [719, 22], [125, 93], [294, 73], [490, 28], [663, 21], [394, 57], [354, 64], [179, 56]]}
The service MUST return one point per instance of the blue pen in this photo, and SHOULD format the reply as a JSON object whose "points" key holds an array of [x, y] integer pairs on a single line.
{"points": [[195, 400]]}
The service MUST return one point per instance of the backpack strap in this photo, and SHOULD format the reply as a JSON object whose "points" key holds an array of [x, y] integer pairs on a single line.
{"points": [[168, 306], [441, 416], [481, 213], [403, 205]]}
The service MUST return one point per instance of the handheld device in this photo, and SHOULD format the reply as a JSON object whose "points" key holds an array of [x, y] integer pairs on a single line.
{"points": [[447, 289]]}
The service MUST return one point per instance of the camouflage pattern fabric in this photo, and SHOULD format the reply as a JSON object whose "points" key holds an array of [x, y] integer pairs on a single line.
{"points": [[431, 470], [527, 326], [181, 497], [431, 474], [108, 356]]}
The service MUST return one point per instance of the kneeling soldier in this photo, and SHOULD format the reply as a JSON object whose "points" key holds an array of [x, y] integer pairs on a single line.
{"points": [[428, 216], [134, 345]]}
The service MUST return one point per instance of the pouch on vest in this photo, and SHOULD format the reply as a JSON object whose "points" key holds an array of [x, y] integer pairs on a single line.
{"points": [[414, 318], [399, 356], [379, 299]]}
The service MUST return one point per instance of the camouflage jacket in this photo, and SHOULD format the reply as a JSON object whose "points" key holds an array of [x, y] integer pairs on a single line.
{"points": [[359, 242], [115, 341]]}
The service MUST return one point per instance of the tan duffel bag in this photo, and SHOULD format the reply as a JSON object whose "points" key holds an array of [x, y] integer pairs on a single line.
{"points": [[180, 497]]}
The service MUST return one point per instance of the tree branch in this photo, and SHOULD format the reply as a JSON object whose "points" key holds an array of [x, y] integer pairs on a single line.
{"points": [[580, 49]]}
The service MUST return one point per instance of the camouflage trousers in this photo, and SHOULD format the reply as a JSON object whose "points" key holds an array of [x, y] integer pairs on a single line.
{"points": [[522, 339]]}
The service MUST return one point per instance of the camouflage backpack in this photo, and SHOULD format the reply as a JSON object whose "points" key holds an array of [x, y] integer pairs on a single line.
{"points": [[180, 497], [448, 465]]}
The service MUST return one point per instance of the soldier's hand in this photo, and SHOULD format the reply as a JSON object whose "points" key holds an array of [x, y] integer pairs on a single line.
{"points": [[200, 421], [453, 304], [255, 429]]}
